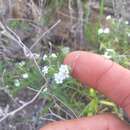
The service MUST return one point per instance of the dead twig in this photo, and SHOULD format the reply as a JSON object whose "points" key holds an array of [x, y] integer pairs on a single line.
{"points": [[55, 97], [6, 31], [80, 13], [24, 105], [70, 11], [51, 28]]}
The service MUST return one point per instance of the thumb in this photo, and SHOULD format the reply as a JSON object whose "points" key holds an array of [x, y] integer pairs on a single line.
{"points": [[99, 122]]}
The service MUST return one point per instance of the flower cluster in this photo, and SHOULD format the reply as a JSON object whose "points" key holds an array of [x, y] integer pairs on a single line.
{"points": [[21, 64], [62, 74], [44, 57], [108, 17], [25, 76], [45, 70], [103, 31], [128, 34], [16, 83], [53, 55], [109, 53]]}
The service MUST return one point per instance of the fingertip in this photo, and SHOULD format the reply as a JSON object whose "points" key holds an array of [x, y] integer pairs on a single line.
{"points": [[71, 58], [86, 67]]}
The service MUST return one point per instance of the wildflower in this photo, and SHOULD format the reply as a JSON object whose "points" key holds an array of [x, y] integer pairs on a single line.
{"points": [[106, 30], [64, 70], [44, 57], [107, 56], [62, 74], [53, 55], [128, 34], [100, 31], [103, 31], [25, 76], [108, 17], [109, 53], [45, 70], [45, 89], [126, 22], [16, 82], [58, 77], [22, 63], [65, 50]]}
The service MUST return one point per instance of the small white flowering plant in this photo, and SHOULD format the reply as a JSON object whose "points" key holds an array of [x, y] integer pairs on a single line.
{"points": [[54, 69], [113, 39], [25, 74], [110, 37], [62, 74], [115, 32]]}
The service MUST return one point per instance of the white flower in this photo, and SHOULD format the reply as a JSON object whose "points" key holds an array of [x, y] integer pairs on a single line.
{"points": [[66, 50], [45, 70], [44, 57], [45, 89], [109, 53], [25, 76], [110, 50], [53, 55], [128, 34], [108, 17], [106, 30], [126, 22], [16, 82], [64, 70], [103, 31], [22, 63], [62, 74], [58, 77], [100, 31], [106, 55]]}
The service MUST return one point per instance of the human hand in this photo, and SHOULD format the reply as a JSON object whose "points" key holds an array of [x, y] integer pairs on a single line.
{"points": [[105, 76]]}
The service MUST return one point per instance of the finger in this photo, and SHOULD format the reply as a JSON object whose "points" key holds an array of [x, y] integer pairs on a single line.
{"points": [[99, 122], [104, 75]]}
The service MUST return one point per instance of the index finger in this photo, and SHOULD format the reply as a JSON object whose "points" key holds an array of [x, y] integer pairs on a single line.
{"points": [[102, 74]]}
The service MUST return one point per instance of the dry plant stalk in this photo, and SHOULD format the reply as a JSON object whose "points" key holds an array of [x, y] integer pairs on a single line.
{"points": [[12, 113], [80, 19]]}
